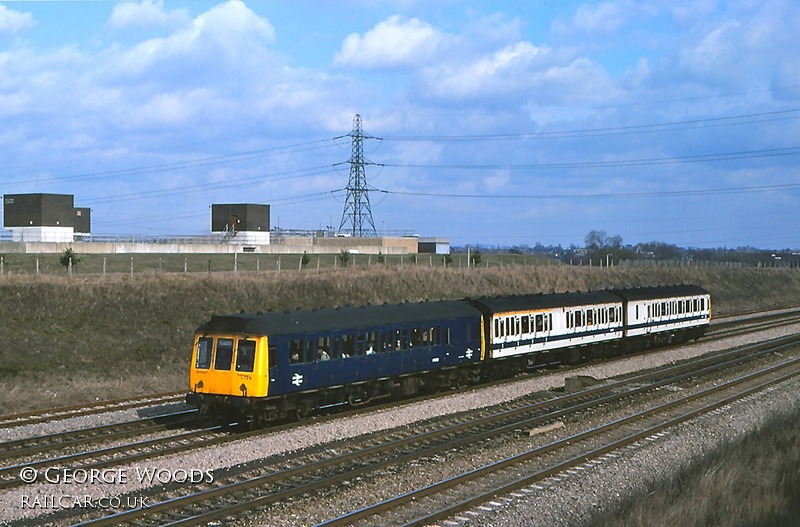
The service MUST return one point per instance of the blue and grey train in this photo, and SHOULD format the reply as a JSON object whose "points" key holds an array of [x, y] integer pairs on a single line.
{"points": [[268, 366]]}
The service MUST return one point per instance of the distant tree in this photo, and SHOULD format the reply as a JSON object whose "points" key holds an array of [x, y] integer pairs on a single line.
{"points": [[476, 258], [304, 259], [67, 256], [344, 257], [381, 258], [448, 260], [599, 246]]}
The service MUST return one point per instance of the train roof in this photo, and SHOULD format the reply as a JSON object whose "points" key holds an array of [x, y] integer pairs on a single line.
{"points": [[509, 304], [666, 291], [335, 319]]}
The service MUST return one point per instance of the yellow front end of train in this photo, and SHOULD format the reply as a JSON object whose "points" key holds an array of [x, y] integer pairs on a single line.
{"points": [[229, 365]]}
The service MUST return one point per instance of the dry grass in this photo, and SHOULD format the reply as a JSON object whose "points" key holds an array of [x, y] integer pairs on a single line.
{"points": [[753, 482], [87, 337]]}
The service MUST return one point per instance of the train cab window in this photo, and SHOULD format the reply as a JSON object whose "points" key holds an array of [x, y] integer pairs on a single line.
{"points": [[224, 356], [702, 304], [272, 355], [245, 355], [203, 358], [296, 352]]}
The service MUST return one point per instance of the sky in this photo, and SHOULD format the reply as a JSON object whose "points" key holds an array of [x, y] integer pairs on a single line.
{"points": [[491, 122]]}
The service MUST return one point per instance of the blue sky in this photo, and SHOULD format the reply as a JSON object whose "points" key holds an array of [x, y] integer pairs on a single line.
{"points": [[500, 122]]}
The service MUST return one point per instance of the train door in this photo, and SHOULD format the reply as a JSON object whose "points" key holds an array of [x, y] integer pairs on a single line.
{"points": [[273, 372]]}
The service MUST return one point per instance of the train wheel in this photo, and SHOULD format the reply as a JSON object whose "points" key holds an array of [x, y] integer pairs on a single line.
{"points": [[208, 415]]}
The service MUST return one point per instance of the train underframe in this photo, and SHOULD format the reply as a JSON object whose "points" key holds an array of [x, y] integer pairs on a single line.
{"points": [[268, 410]]}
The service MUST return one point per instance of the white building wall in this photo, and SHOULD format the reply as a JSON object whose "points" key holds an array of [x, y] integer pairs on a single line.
{"points": [[42, 234]]}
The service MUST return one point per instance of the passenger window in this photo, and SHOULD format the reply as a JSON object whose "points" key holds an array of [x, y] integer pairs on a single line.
{"points": [[310, 355], [222, 361], [416, 338], [348, 346], [203, 358], [372, 343], [540, 322], [526, 325], [245, 355], [295, 351], [612, 314], [360, 345], [589, 317], [323, 348]]}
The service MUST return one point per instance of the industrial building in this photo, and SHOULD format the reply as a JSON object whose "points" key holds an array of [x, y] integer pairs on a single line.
{"points": [[50, 218], [50, 223]]}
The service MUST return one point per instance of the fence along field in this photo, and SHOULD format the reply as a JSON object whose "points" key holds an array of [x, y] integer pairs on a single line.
{"points": [[98, 264]]}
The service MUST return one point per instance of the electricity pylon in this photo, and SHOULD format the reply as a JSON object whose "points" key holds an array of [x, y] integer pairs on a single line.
{"points": [[357, 213]]}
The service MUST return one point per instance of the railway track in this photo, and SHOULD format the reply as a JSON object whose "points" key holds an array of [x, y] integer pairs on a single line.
{"points": [[271, 484], [461, 493], [66, 412], [35, 445]]}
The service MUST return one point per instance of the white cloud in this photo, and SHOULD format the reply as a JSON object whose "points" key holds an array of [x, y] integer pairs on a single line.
{"points": [[229, 37], [147, 13], [395, 42], [13, 21]]}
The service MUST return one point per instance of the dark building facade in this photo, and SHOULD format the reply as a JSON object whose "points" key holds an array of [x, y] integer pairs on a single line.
{"points": [[38, 210], [240, 217]]}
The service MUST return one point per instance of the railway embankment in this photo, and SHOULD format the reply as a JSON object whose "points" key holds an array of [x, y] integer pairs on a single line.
{"points": [[72, 340]]}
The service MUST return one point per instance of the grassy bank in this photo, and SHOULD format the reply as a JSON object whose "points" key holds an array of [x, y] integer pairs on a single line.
{"points": [[754, 481], [68, 340]]}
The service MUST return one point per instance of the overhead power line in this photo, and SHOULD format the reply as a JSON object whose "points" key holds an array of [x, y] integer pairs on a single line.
{"points": [[731, 120], [664, 193], [724, 156]]}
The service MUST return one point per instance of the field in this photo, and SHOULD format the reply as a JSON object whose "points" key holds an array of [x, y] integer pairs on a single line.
{"points": [[67, 340]]}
